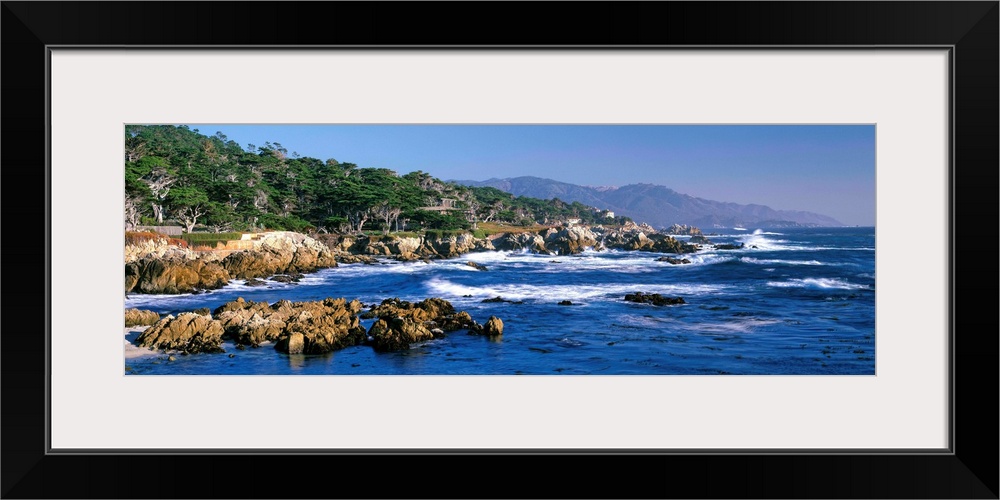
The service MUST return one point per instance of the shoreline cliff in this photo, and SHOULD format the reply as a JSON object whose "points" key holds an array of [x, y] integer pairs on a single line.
{"points": [[158, 265]]}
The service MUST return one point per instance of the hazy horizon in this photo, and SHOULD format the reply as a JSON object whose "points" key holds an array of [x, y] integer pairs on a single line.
{"points": [[825, 169]]}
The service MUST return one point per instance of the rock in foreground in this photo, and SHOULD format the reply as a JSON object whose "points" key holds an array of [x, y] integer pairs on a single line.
{"points": [[295, 327], [188, 332], [401, 323]]}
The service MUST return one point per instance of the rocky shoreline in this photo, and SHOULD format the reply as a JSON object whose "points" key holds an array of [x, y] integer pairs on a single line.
{"points": [[310, 327], [158, 267]]}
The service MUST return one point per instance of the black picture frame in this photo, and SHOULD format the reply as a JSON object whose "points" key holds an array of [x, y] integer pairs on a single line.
{"points": [[969, 28]]}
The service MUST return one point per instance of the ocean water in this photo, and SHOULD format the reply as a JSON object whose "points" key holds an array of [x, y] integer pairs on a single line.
{"points": [[791, 302]]}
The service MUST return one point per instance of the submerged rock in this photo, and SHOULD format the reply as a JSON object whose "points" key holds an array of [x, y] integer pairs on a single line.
{"points": [[476, 265], [729, 246], [673, 260], [653, 298], [287, 278]]}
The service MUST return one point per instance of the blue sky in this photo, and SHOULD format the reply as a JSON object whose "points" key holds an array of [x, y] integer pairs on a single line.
{"points": [[828, 169]]}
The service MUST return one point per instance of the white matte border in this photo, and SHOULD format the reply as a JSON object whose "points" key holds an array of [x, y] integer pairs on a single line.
{"points": [[905, 93]]}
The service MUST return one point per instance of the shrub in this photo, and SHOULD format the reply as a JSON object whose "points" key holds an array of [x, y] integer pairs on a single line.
{"points": [[207, 241]]}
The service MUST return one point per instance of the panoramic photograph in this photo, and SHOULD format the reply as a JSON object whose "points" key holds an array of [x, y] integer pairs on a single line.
{"points": [[276, 249]]}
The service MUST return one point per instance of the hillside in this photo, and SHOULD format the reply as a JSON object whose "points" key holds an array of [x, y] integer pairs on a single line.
{"points": [[658, 206]]}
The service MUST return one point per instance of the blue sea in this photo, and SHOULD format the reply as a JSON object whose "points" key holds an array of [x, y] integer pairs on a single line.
{"points": [[798, 301]]}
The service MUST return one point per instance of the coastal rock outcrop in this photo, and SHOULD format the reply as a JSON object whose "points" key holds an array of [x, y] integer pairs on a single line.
{"points": [[640, 240], [154, 267], [140, 317], [279, 253], [296, 327], [533, 242], [188, 332], [682, 229], [572, 240], [401, 323], [177, 275]]}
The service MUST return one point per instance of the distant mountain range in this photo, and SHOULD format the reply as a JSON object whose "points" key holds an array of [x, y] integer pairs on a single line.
{"points": [[657, 206]]}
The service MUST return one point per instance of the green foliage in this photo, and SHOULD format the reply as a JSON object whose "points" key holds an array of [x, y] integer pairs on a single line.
{"points": [[208, 239], [436, 234], [174, 172]]}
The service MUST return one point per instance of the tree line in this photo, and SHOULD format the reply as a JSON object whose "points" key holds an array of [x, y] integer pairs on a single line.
{"points": [[177, 174]]}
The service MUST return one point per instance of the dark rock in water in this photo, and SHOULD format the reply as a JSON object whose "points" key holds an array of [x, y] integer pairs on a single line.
{"points": [[467, 296], [287, 278], [494, 300], [255, 282], [653, 298], [673, 260], [565, 303], [140, 317], [476, 265], [728, 246], [231, 356], [699, 239]]}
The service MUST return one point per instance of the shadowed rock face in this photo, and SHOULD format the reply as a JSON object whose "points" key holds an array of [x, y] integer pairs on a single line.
{"points": [[152, 275], [184, 271]]}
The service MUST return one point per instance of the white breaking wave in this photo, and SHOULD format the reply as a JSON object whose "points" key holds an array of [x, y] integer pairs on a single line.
{"points": [[820, 283], [555, 293], [737, 325], [765, 262]]}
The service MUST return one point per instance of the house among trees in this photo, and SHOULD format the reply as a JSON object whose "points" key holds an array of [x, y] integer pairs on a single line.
{"points": [[167, 230], [445, 205], [448, 205]]}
